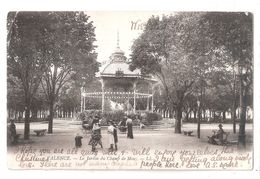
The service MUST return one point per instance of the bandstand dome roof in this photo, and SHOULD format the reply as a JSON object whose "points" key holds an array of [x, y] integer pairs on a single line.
{"points": [[118, 64], [118, 67]]}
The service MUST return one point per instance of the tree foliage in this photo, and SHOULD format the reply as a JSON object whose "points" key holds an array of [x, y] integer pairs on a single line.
{"points": [[72, 50], [26, 58], [188, 51], [51, 48]]}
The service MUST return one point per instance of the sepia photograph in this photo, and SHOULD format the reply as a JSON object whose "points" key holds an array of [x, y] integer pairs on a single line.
{"points": [[130, 90]]}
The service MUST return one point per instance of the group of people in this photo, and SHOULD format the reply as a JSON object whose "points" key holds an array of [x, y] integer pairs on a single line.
{"points": [[96, 136]]}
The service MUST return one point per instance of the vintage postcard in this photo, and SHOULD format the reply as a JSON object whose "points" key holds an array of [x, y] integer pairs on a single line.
{"points": [[143, 90]]}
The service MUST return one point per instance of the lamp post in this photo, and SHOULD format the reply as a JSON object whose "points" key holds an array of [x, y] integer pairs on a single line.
{"points": [[198, 120], [241, 73], [82, 97]]}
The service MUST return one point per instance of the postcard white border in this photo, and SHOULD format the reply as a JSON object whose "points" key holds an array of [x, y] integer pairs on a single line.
{"points": [[130, 5]]}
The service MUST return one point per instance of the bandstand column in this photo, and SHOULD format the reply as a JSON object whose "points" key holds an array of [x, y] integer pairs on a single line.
{"points": [[134, 86], [103, 95], [152, 104], [84, 103], [81, 99], [148, 101], [152, 98], [147, 107]]}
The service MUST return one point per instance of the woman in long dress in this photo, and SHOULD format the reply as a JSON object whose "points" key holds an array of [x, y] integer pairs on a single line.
{"points": [[129, 124], [115, 136]]}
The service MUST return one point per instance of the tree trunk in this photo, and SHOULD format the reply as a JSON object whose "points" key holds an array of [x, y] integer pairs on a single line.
{"points": [[187, 116], [210, 114], [34, 114], [50, 126], [27, 124], [52, 98], [195, 115], [15, 115], [171, 113], [233, 109], [242, 124], [27, 118], [204, 114], [178, 119], [198, 122], [224, 116], [233, 116]]}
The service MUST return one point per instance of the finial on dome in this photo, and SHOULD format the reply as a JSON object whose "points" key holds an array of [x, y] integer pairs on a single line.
{"points": [[117, 38]]}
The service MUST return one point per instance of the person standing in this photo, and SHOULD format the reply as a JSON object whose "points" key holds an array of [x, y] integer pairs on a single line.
{"points": [[13, 132], [111, 139], [129, 123], [96, 135], [115, 136]]}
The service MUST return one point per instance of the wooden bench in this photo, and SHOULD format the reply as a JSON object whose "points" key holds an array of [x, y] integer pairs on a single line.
{"points": [[40, 132], [188, 133], [216, 141]]}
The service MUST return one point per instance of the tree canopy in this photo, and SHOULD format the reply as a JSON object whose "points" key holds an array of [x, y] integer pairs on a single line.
{"points": [[50, 48], [187, 51]]}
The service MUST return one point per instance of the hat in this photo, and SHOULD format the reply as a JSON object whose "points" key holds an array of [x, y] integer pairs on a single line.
{"points": [[220, 125]]}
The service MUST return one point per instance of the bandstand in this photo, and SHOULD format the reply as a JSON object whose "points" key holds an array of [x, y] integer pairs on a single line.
{"points": [[120, 83]]}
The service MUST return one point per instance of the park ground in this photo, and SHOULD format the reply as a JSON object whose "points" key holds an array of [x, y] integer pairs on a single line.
{"points": [[153, 139], [161, 136]]}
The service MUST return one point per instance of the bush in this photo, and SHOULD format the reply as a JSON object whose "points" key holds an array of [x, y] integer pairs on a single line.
{"points": [[149, 117], [88, 116], [146, 118], [136, 118], [113, 116]]}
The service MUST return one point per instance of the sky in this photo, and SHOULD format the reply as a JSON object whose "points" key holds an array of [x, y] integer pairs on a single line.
{"points": [[128, 24]]}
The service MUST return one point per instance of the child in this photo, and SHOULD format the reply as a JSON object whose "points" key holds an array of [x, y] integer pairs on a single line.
{"points": [[78, 139], [110, 131]]}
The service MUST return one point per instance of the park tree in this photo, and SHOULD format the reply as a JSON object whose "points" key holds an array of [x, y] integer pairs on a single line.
{"points": [[176, 51], [153, 52], [234, 32], [186, 50], [15, 98], [73, 58], [26, 54], [69, 100]]}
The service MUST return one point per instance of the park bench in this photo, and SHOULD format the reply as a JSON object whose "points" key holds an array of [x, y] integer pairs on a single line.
{"points": [[40, 132], [217, 141], [188, 133]]}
